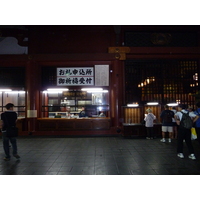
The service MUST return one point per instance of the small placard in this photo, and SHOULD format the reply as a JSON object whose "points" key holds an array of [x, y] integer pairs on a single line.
{"points": [[31, 113], [101, 75]]}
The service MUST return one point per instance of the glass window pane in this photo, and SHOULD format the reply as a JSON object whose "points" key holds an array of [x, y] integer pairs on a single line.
{"points": [[15, 97]]}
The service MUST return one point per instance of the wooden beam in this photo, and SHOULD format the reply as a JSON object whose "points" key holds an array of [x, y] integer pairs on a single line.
{"points": [[120, 52], [164, 50]]}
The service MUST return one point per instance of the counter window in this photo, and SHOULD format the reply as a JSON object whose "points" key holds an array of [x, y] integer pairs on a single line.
{"points": [[65, 104]]}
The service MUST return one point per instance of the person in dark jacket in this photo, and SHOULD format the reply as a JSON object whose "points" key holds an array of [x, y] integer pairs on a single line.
{"points": [[9, 118], [197, 124], [167, 123], [82, 113]]}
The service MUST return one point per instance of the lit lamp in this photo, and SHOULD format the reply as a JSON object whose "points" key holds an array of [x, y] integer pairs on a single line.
{"points": [[94, 90], [55, 90], [152, 103], [5, 90], [172, 104], [91, 89], [133, 105], [15, 92]]}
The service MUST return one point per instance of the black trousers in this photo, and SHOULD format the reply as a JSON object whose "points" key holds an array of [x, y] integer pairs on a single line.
{"points": [[150, 132], [184, 134], [6, 148], [198, 133]]}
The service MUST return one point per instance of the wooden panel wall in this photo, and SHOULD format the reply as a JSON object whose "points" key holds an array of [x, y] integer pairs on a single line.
{"points": [[133, 115], [136, 114]]}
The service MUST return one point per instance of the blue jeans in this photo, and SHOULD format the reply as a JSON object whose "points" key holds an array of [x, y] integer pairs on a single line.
{"points": [[6, 140]]}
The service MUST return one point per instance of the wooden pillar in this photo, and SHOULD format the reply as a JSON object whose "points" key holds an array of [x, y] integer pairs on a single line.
{"points": [[116, 94], [32, 95], [117, 84]]}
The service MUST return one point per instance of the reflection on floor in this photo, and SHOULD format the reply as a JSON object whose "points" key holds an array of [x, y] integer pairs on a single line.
{"points": [[98, 156]]}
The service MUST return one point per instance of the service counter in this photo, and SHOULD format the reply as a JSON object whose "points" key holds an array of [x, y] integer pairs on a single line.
{"points": [[138, 129], [73, 127], [99, 126], [20, 124], [64, 124]]}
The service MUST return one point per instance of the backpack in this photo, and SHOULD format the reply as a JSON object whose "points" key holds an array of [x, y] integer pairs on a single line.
{"points": [[186, 121], [168, 115]]}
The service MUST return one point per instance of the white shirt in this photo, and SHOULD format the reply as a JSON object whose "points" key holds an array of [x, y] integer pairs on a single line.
{"points": [[173, 120], [149, 118], [179, 114]]}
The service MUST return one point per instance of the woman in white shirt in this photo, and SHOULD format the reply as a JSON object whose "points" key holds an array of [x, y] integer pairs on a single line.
{"points": [[149, 118]]}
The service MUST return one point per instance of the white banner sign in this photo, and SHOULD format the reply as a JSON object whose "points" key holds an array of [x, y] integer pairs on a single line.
{"points": [[75, 76]]}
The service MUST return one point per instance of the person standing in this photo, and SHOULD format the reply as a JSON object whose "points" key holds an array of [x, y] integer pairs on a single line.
{"points": [[184, 133], [175, 129], [82, 113], [102, 114], [149, 118], [9, 118], [197, 124], [167, 123]]}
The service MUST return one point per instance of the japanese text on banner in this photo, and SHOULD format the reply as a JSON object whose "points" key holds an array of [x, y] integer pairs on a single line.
{"points": [[75, 76]]}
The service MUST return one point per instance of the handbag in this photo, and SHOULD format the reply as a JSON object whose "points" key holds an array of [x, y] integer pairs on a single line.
{"points": [[12, 131], [193, 134]]}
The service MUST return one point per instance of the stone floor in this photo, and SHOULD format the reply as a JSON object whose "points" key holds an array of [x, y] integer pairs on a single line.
{"points": [[98, 156]]}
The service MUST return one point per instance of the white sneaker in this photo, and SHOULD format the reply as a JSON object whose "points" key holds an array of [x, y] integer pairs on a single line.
{"points": [[162, 140], [192, 156], [169, 140], [180, 155]]}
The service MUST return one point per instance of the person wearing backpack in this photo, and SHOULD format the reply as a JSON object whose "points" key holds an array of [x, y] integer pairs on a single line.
{"points": [[167, 123], [197, 123], [185, 120]]}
